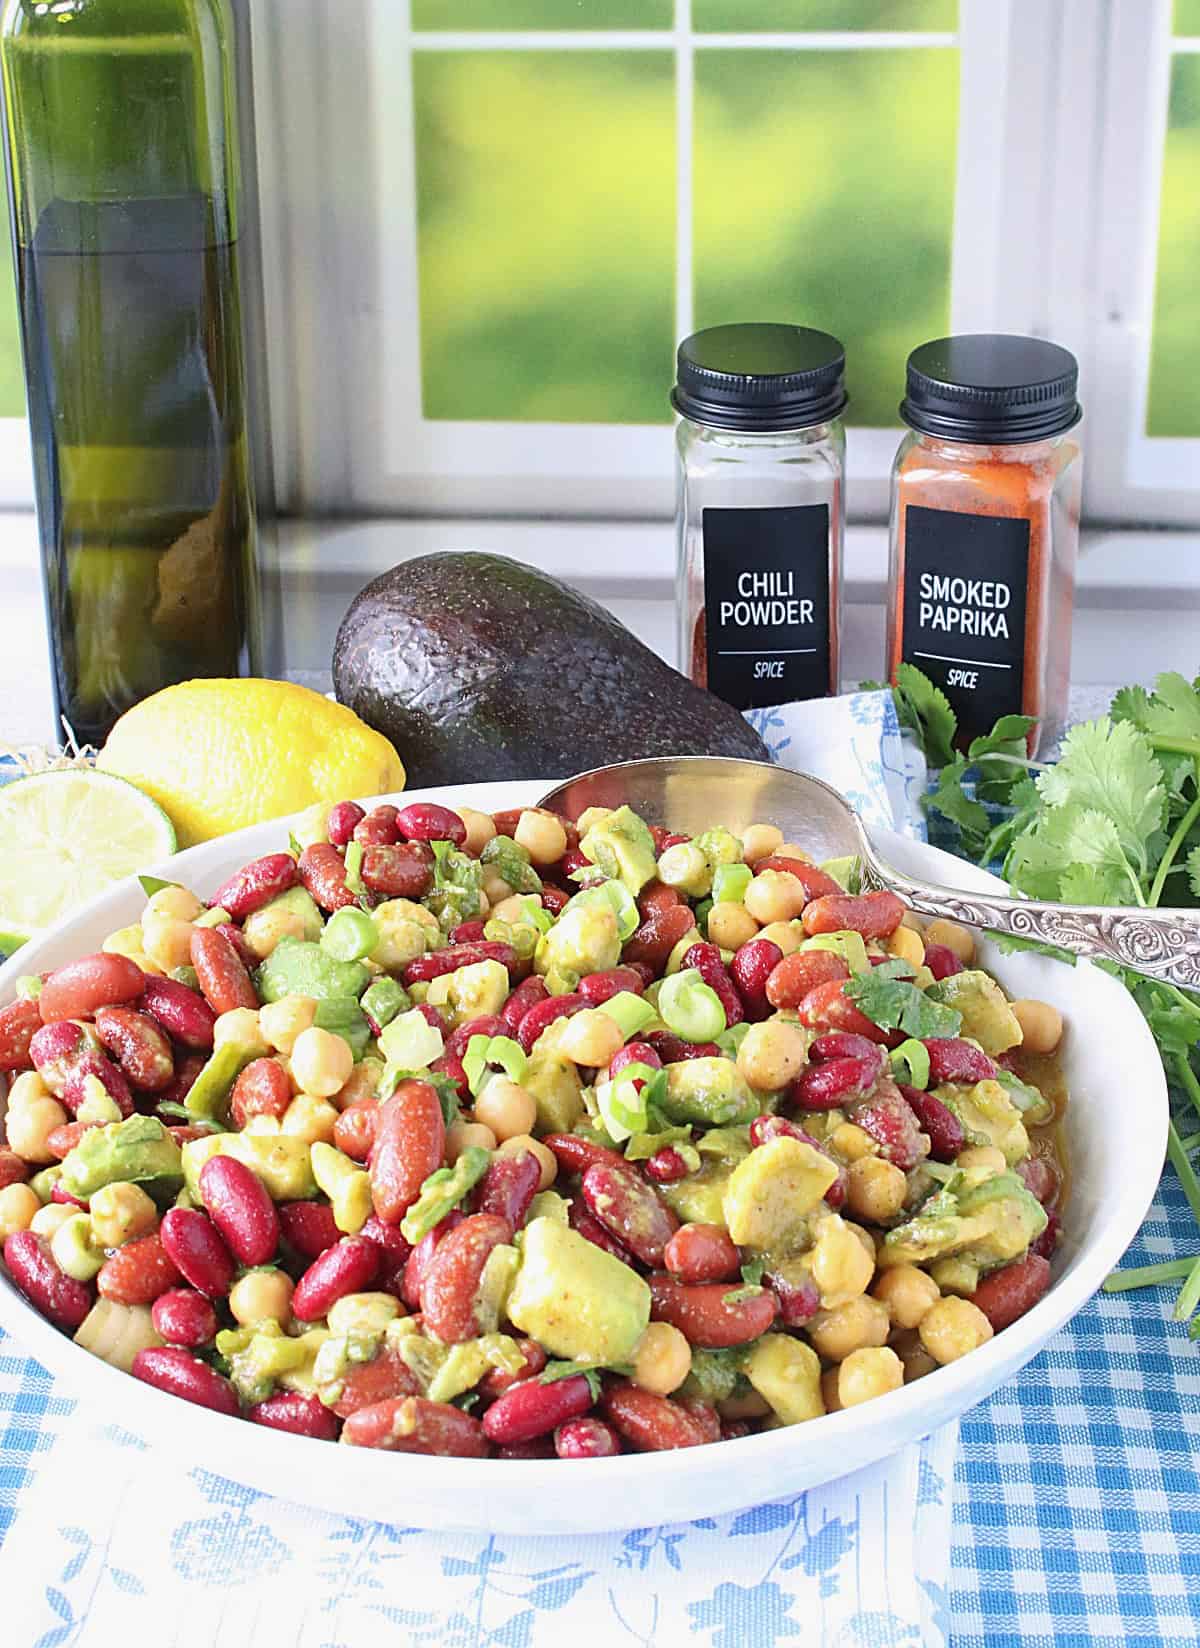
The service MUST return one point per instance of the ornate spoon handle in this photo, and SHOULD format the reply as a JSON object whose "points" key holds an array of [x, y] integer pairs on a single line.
{"points": [[1161, 944]]}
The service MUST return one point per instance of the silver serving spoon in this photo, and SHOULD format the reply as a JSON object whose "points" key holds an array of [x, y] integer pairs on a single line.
{"points": [[689, 793]]}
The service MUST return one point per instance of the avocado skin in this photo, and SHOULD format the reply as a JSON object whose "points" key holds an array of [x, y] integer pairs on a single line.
{"points": [[477, 666]]}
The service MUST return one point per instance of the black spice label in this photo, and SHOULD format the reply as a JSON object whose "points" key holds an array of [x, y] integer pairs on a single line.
{"points": [[965, 578], [766, 596]]}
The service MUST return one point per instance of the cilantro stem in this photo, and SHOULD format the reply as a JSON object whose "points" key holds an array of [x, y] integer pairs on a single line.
{"points": [[1173, 1270], [1187, 1079], [1184, 1170], [1189, 1294], [1177, 746], [1175, 843]]}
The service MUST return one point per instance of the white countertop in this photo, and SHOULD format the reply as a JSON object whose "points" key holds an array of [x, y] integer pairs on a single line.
{"points": [[1137, 607]]}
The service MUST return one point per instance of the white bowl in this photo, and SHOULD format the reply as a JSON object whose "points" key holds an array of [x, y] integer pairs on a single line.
{"points": [[1116, 1131]]}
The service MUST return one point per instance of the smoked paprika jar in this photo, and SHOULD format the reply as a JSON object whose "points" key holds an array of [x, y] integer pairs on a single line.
{"points": [[761, 471], [985, 528]]}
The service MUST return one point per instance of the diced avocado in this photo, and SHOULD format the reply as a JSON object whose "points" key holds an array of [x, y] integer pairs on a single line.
{"points": [[299, 967], [730, 1145], [133, 1151], [771, 1193], [986, 1015], [622, 846], [442, 1192], [719, 846], [585, 939], [847, 872], [548, 1204], [472, 992], [300, 903], [700, 1198], [787, 1374], [577, 1301], [282, 1162], [988, 1116], [986, 1226], [850, 946], [263, 1356], [208, 1096], [552, 1081], [709, 1091]]}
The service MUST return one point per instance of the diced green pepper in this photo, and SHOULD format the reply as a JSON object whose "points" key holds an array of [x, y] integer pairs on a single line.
{"points": [[383, 1000]]}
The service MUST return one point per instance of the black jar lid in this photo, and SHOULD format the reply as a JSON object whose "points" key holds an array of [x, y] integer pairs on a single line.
{"points": [[760, 377], [991, 388]]}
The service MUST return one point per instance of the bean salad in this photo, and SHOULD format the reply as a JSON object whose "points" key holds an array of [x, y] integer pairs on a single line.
{"points": [[503, 1136]]}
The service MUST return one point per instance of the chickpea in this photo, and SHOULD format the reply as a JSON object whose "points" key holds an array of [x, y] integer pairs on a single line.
{"points": [[545, 1157], [731, 925], [47, 1220], [167, 940], [914, 1358], [908, 1294], [955, 937], [1041, 1025], [241, 1025], [662, 1360], [849, 1327], [952, 1328], [321, 1062], [760, 841], [542, 836], [876, 1189], [121, 1212], [30, 1125], [772, 1054], [864, 1236], [867, 1373], [362, 1084], [262, 1296], [773, 896], [174, 901], [851, 1143], [307, 1117], [495, 888], [462, 1136], [127, 941], [481, 828], [907, 945], [591, 1038], [841, 1267], [985, 1160], [505, 1109], [830, 1394], [19, 1206], [512, 910], [264, 928], [25, 1089], [788, 935]]}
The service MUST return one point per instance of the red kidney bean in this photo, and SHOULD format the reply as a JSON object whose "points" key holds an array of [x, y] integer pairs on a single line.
{"points": [[706, 959], [323, 877], [750, 969], [575, 1154], [184, 1014], [732, 1430], [76, 1086], [197, 1251], [1007, 1294], [239, 1206], [467, 932], [890, 1121], [412, 1424], [634, 1052], [650, 1423], [13, 1168], [256, 884], [704, 1315], [826, 1007], [301, 1415], [1046, 1243], [349, 1266], [184, 1317], [799, 1297], [452, 1069], [672, 1049], [31, 1265], [18, 1021], [141, 1050], [814, 880], [702, 1253], [426, 968], [138, 1272], [57, 1048], [666, 1166], [544, 1014], [450, 1285], [264, 1088], [530, 993], [508, 1187], [421, 1258], [395, 1251], [658, 935], [75, 990], [801, 972], [497, 1380], [582, 1222], [385, 1377], [953, 1060], [410, 1141], [843, 1044], [220, 971], [538, 1447], [1041, 1178], [626, 1205], [60, 1141], [432, 1016], [941, 961], [309, 1228], [532, 1409], [874, 915], [343, 821], [826, 1086], [404, 871], [181, 1374], [586, 1438], [705, 1415], [427, 821], [379, 828], [239, 943], [355, 1129], [597, 988], [572, 861], [491, 1024], [937, 1120], [553, 899], [186, 1071], [656, 897]]}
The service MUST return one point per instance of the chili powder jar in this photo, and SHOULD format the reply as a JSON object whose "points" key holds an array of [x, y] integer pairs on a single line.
{"points": [[985, 528], [761, 471]]}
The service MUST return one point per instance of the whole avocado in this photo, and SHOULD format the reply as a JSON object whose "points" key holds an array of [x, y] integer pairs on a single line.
{"points": [[477, 666]]}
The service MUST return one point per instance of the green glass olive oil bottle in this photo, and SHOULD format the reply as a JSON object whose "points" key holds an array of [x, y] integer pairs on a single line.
{"points": [[121, 146]]}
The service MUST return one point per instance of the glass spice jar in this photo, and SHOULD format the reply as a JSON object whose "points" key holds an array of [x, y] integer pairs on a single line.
{"points": [[761, 471], [985, 529]]}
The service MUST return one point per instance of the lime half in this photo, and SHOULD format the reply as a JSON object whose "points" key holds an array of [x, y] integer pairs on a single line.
{"points": [[65, 836]]}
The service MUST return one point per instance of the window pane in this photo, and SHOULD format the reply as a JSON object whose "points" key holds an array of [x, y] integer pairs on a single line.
{"points": [[546, 234], [1174, 402], [12, 379], [824, 195], [849, 16], [543, 14], [1187, 17]]}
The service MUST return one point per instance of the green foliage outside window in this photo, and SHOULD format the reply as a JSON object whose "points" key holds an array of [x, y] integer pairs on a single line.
{"points": [[1174, 400]]}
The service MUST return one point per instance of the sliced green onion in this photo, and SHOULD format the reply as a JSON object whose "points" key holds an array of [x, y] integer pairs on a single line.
{"points": [[622, 1106], [522, 937], [619, 900], [910, 1063], [411, 1041], [1172, 1270], [1189, 1295], [350, 934], [533, 914], [730, 882], [690, 1007], [630, 1013], [484, 1051], [354, 880], [849, 945], [730, 1040], [702, 913]]}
